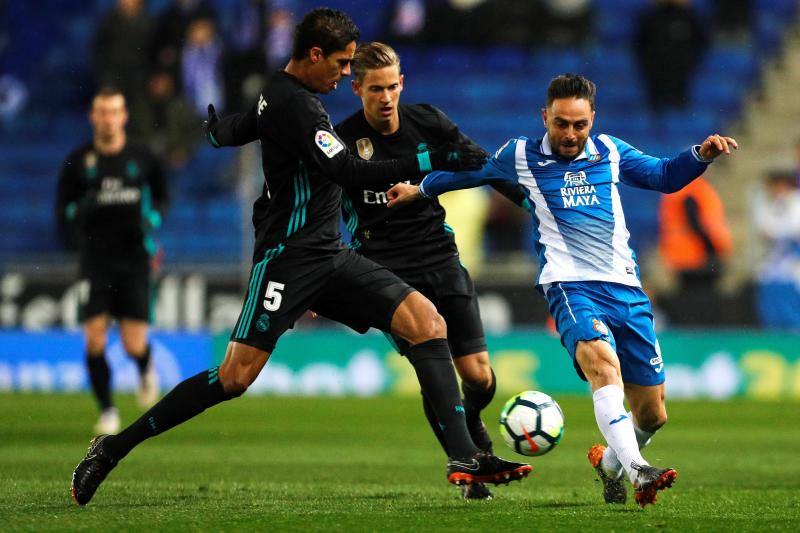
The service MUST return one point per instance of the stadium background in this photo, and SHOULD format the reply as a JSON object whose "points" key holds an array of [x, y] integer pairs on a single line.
{"points": [[492, 83], [731, 344]]}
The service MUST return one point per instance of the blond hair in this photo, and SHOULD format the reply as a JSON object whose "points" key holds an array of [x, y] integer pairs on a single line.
{"points": [[371, 56]]}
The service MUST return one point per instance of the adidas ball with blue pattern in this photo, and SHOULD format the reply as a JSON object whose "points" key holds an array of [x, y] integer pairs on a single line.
{"points": [[532, 423]]}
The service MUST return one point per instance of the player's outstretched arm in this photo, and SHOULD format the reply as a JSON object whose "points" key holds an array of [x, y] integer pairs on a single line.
{"points": [[500, 168], [233, 130], [667, 175]]}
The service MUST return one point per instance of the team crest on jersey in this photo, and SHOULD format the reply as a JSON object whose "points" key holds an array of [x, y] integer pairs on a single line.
{"points": [[575, 179], [599, 327], [365, 149], [329, 144], [262, 324]]}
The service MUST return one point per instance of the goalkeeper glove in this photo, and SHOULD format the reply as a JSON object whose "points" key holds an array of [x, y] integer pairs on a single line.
{"points": [[210, 126]]}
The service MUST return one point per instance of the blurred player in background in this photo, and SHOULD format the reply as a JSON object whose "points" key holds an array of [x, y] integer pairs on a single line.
{"points": [[111, 195], [300, 264], [414, 241], [587, 271]]}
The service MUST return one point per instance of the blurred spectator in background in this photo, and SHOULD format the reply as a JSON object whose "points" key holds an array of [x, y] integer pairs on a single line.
{"points": [[280, 36], [406, 20], [567, 22], [121, 59], [797, 161], [695, 238], [481, 22], [506, 224], [732, 20], [670, 43], [201, 65], [172, 124], [777, 218], [245, 58], [171, 33], [260, 39]]}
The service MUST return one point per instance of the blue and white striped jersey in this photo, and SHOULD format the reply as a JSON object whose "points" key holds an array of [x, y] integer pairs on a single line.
{"points": [[579, 228]]}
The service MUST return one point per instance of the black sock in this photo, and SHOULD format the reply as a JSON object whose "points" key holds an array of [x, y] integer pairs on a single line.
{"points": [[100, 378], [434, 422], [437, 378], [188, 399], [476, 399], [142, 361]]}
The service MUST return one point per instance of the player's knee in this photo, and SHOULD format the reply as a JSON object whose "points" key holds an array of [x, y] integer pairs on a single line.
{"points": [[237, 381], [430, 325], [476, 374], [134, 348], [95, 344], [598, 363], [651, 420]]}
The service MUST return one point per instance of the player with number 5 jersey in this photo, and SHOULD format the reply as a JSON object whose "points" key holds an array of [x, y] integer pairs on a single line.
{"points": [[300, 264]]}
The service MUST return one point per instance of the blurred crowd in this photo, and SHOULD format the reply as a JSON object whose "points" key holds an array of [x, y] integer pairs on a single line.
{"points": [[171, 66]]}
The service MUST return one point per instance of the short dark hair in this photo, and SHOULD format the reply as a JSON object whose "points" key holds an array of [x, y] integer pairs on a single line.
{"points": [[330, 29], [371, 56], [571, 86], [109, 90]]}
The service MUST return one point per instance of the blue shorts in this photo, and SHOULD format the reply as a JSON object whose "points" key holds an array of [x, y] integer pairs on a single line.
{"points": [[616, 313]]}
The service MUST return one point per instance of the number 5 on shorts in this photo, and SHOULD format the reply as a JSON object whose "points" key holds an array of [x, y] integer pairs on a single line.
{"points": [[272, 298]]}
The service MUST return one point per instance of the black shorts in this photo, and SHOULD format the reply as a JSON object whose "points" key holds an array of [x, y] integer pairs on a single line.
{"points": [[344, 286], [451, 290], [120, 292]]}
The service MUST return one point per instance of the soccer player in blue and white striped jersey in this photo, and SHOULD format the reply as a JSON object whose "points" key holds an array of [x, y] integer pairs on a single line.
{"points": [[587, 271]]}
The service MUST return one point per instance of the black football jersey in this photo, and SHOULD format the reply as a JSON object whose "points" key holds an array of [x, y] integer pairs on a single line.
{"points": [[109, 204], [304, 163], [412, 236]]}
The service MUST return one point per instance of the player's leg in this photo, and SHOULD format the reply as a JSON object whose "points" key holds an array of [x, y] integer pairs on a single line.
{"points": [[582, 322], [642, 371], [417, 321], [452, 291], [137, 346], [132, 305], [455, 298], [478, 385], [95, 330], [252, 341], [188, 399], [649, 414], [600, 365], [362, 295]]}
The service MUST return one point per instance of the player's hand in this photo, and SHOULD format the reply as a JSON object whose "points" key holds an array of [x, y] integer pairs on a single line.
{"points": [[715, 145], [454, 157], [210, 126], [402, 193]]}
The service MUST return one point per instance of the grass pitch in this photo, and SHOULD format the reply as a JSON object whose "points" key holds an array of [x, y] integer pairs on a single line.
{"points": [[290, 464]]}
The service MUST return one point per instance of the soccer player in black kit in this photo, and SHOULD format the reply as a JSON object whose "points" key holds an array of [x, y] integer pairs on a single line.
{"points": [[300, 264], [111, 195], [414, 241]]}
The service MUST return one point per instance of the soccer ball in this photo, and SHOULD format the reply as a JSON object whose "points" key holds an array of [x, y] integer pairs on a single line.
{"points": [[532, 423]]}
